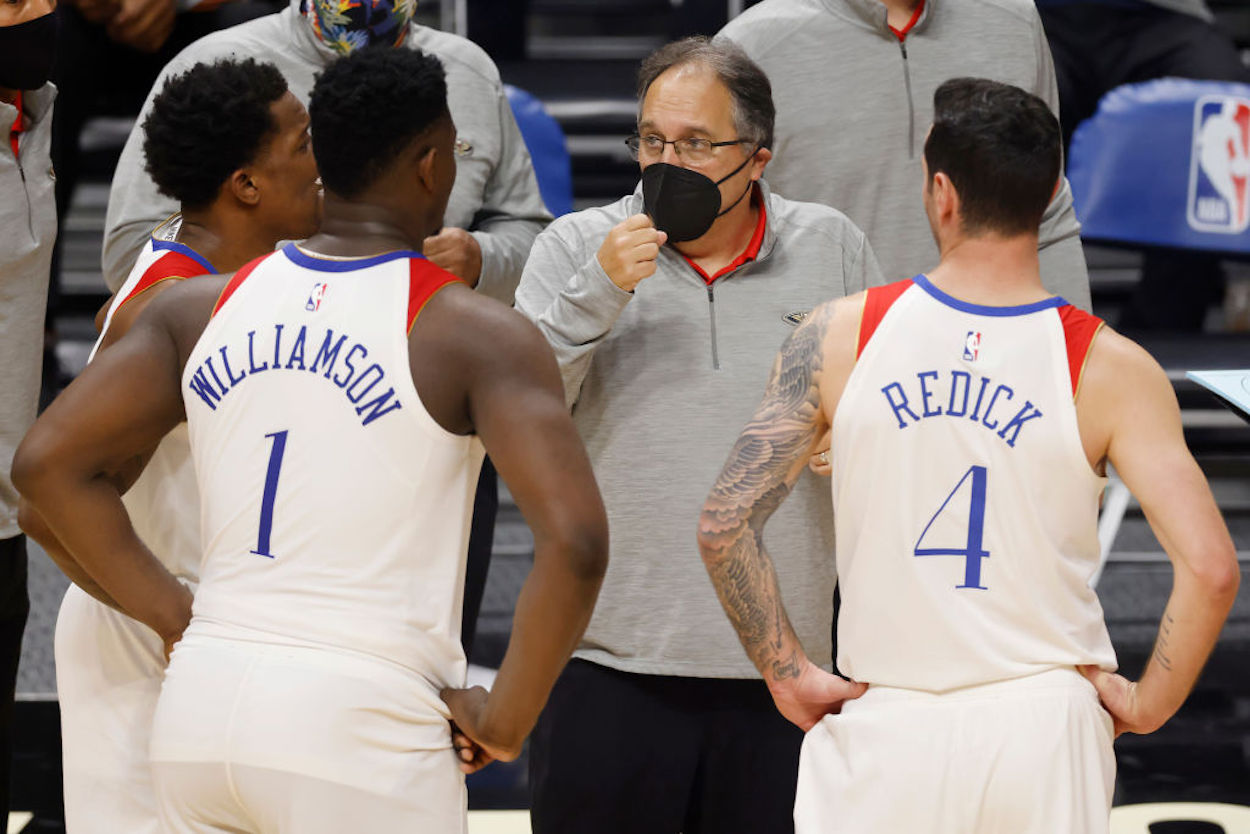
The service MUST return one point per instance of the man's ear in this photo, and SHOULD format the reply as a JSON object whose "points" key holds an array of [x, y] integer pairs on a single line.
{"points": [[426, 163], [243, 187], [761, 160], [945, 198]]}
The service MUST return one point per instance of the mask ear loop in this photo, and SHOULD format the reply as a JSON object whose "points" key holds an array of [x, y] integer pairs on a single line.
{"points": [[733, 173]]}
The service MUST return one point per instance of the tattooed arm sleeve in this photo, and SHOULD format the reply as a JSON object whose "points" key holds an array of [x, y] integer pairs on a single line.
{"points": [[763, 466]]}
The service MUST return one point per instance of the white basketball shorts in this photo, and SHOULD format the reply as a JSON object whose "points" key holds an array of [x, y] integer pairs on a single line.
{"points": [[108, 676], [1026, 756], [254, 737]]}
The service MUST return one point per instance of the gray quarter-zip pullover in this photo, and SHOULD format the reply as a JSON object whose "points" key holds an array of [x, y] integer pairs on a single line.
{"points": [[27, 231], [661, 381], [854, 103]]}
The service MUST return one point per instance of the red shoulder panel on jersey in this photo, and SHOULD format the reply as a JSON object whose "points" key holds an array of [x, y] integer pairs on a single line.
{"points": [[171, 265], [235, 282], [424, 279], [876, 302], [1079, 330]]}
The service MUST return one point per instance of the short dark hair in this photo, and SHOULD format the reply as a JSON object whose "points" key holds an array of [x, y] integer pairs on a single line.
{"points": [[1000, 146], [366, 108], [749, 88], [207, 123]]}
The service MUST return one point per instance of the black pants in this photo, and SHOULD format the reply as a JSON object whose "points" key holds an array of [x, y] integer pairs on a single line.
{"points": [[14, 606], [481, 540], [1098, 47], [619, 753]]}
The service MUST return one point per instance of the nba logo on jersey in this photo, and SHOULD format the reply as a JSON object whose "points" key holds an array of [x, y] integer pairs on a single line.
{"points": [[972, 346], [1219, 165], [314, 298]]}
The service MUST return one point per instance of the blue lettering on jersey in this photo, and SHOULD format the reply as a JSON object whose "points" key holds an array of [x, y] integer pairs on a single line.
{"points": [[958, 379], [925, 394], [327, 354], [351, 368], [367, 392], [251, 357], [200, 385], [985, 421], [225, 360], [928, 393], [297, 351], [895, 390]]}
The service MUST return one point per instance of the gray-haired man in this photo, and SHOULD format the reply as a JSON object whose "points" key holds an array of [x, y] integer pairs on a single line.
{"points": [[663, 309]]}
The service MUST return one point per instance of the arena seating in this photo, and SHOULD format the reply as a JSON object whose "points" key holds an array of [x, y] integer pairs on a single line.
{"points": [[545, 141]]}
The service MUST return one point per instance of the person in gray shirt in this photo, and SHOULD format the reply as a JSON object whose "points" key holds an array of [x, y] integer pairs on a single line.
{"points": [[27, 232], [665, 309], [495, 210], [854, 91]]}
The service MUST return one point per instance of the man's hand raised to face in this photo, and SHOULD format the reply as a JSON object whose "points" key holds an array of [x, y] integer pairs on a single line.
{"points": [[629, 252]]}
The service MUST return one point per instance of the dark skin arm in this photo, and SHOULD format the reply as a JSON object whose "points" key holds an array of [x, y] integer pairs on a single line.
{"points": [[32, 523], [126, 315], [116, 410], [761, 470], [507, 389]]}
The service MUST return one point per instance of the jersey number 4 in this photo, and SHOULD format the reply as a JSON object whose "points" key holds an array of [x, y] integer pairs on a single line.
{"points": [[973, 550], [271, 492]]}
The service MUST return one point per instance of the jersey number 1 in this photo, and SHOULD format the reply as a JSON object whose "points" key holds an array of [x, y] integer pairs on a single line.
{"points": [[973, 551], [271, 492]]}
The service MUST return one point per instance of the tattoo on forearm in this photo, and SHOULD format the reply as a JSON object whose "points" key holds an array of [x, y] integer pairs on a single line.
{"points": [[789, 668], [1161, 652], [751, 486]]}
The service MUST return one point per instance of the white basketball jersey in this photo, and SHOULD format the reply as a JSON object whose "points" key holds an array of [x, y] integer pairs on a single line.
{"points": [[335, 510], [164, 502], [966, 510]]}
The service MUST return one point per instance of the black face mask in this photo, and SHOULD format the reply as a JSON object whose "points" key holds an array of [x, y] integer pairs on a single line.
{"points": [[684, 203], [26, 53]]}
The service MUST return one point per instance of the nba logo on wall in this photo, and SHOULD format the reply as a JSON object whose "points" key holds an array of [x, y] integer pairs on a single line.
{"points": [[972, 346], [1219, 165], [314, 298]]}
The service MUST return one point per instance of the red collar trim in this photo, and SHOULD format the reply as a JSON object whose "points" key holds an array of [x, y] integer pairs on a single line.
{"points": [[17, 123], [902, 33], [753, 247]]}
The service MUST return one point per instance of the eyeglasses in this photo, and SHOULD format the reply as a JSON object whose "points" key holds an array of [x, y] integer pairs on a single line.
{"points": [[693, 149]]}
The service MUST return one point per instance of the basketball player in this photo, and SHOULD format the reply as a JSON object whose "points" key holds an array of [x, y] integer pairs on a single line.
{"points": [[973, 416], [231, 145], [338, 396]]}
